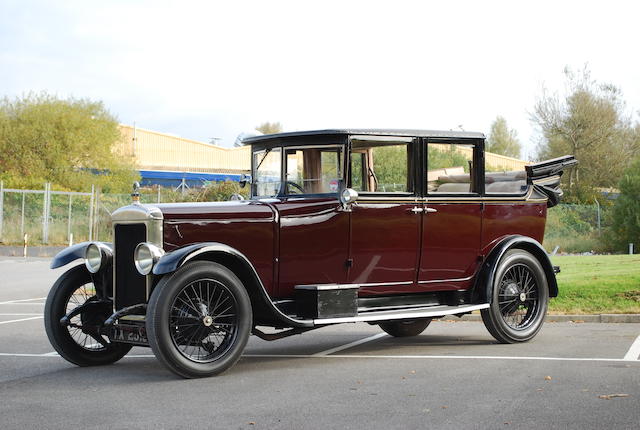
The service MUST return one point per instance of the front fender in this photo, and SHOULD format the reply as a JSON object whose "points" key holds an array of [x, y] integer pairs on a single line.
{"points": [[214, 251], [483, 291], [73, 253]]}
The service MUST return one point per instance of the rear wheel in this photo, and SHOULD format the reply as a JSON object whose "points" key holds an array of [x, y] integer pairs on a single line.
{"points": [[519, 301], [199, 320], [80, 342], [405, 328]]}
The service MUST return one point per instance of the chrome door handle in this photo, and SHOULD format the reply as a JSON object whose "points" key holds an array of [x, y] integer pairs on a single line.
{"points": [[417, 210], [431, 210]]}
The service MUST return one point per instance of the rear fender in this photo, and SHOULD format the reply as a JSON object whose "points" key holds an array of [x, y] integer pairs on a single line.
{"points": [[483, 287]]}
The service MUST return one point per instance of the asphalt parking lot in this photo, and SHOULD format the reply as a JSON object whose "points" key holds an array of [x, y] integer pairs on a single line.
{"points": [[454, 375]]}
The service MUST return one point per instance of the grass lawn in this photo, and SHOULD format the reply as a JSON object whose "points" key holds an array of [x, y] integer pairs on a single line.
{"points": [[598, 284]]}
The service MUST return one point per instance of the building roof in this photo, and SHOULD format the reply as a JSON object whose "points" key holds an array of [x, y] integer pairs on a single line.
{"points": [[368, 131]]}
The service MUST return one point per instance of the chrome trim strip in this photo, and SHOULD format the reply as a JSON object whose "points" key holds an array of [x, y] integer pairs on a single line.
{"points": [[382, 284], [446, 280], [327, 287], [432, 312]]}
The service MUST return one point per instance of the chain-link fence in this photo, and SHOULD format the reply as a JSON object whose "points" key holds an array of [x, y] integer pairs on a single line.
{"points": [[578, 228], [47, 217]]}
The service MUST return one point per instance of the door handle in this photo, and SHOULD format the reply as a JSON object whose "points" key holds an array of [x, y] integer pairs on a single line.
{"points": [[416, 210], [431, 210]]}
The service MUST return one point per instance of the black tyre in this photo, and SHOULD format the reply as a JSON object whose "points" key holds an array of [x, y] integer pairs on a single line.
{"points": [[405, 328], [520, 298], [199, 320], [79, 343]]}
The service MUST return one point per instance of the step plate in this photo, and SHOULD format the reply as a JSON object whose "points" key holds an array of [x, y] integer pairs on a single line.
{"points": [[426, 312]]}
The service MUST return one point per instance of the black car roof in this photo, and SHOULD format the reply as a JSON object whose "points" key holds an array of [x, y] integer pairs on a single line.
{"points": [[367, 131]]}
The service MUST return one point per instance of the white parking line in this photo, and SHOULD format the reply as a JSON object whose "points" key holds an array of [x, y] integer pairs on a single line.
{"points": [[349, 345], [12, 302], [377, 357], [19, 315], [634, 352], [23, 319]]}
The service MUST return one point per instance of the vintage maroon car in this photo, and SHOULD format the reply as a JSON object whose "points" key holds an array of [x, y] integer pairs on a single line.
{"points": [[387, 227]]}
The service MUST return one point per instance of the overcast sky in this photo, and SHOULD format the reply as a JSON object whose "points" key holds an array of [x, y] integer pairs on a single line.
{"points": [[216, 69]]}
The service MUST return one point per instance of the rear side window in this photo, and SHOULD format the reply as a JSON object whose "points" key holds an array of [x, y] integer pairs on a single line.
{"points": [[449, 168], [504, 175], [382, 167]]}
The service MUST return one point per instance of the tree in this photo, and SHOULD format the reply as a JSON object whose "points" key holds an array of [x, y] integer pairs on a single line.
{"points": [[269, 128], [626, 210], [589, 122], [502, 140], [68, 142]]}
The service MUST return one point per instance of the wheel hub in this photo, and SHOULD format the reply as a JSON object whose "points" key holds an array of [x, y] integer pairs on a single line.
{"points": [[207, 321], [523, 297]]}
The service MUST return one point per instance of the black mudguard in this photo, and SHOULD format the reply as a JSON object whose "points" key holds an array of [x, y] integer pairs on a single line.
{"points": [[483, 287]]}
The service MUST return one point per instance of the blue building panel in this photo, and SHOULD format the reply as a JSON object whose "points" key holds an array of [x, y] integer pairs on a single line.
{"points": [[166, 178]]}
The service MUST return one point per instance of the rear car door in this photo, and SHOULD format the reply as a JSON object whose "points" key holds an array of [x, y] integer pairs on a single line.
{"points": [[452, 221]]}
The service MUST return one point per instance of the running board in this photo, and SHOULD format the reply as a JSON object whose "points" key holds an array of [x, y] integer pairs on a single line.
{"points": [[413, 313]]}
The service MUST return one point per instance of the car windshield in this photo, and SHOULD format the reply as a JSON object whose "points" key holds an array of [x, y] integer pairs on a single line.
{"points": [[267, 172]]}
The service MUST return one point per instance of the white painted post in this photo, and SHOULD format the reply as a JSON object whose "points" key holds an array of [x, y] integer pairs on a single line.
{"points": [[24, 249], [70, 239], [630, 248]]}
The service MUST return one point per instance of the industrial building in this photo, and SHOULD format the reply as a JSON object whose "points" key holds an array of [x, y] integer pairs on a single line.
{"points": [[172, 161]]}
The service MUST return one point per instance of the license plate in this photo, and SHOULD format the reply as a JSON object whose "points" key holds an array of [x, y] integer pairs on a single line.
{"points": [[129, 334]]}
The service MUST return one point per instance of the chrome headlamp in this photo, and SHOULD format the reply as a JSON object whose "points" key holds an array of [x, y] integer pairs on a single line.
{"points": [[96, 256], [145, 257]]}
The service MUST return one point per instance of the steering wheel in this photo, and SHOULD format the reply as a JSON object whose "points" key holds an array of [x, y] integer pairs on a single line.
{"points": [[294, 185]]}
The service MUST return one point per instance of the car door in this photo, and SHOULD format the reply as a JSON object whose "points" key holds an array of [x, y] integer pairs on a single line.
{"points": [[385, 221], [313, 227], [452, 221]]}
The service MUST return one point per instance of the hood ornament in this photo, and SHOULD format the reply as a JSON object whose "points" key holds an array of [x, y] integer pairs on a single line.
{"points": [[135, 195]]}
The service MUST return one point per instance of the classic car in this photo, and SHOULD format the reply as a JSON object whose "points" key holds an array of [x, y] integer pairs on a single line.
{"points": [[388, 227]]}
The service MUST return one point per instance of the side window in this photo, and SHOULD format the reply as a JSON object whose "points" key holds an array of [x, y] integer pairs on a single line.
{"points": [[313, 170], [504, 175], [449, 168], [383, 167]]}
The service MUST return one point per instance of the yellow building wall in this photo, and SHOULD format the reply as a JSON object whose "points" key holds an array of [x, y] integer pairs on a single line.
{"points": [[158, 151]]}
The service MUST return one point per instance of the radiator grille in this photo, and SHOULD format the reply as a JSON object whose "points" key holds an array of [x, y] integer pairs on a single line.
{"points": [[130, 286]]}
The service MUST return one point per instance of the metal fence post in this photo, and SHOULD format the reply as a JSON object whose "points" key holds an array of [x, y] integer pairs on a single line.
{"points": [[69, 217], [598, 213], [24, 195], [1, 207], [46, 211], [91, 202]]}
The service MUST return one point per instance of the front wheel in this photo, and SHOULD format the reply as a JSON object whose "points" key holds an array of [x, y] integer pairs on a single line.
{"points": [[80, 342], [199, 320], [519, 301]]}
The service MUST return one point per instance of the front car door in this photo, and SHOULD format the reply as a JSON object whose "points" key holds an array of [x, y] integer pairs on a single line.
{"points": [[313, 227], [452, 221], [385, 221]]}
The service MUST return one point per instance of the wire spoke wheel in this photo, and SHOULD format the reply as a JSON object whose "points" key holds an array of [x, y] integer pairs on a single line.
{"points": [[203, 320], [80, 342], [199, 319], [87, 341], [518, 297]]}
